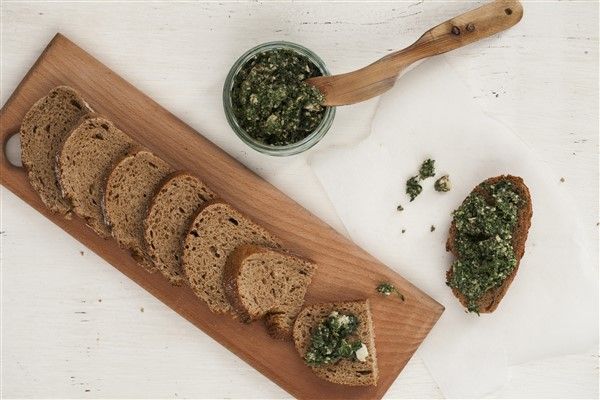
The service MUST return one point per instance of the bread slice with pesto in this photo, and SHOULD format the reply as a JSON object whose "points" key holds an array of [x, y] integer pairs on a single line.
{"points": [[356, 369], [487, 238], [169, 215], [216, 230], [42, 132], [262, 282]]}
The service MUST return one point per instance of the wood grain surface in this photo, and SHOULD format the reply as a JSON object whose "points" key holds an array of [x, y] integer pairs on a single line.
{"points": [[344, 271]]}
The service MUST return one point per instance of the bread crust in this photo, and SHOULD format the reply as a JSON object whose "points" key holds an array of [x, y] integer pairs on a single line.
{"points": [[233, 269], [491, 299]]}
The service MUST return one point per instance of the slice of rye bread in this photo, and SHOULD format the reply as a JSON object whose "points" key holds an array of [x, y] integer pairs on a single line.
{"points": [[127, 194], [262, 282], [491, 299], [216, 230], [345, 371], [83, 163], [169, 216], [43, 130]]}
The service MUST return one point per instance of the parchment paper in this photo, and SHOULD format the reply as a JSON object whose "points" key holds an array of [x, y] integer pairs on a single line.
{"points": [[552, 305]]}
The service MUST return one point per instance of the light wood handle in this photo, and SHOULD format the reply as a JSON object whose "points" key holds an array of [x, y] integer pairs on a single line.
{"points": [[465, 29]]}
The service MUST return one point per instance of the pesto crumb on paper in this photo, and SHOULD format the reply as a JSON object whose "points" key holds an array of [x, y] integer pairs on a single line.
{"points": [[427, 169], [443, 184], [413, 187]]}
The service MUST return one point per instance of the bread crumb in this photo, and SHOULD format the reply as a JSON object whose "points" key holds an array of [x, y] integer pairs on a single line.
{"points": [[403, 230], [432, 228], [142, 309], [81, 252], [562, 180]]}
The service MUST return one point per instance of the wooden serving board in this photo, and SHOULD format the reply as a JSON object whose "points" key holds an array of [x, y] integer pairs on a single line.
{"points": [[345, 272]]}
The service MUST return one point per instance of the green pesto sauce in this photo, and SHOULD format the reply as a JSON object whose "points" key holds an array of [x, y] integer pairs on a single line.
{"points": [[427, 169], [271, 101], [484, 241], [329, 341], [413, 187], [386, 289]]}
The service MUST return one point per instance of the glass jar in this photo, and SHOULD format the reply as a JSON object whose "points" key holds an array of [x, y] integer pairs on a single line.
{"points": [[290, 149]]}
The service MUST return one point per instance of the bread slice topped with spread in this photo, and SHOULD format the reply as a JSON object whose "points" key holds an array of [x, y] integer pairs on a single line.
{"points": [[216, 230], [262, 282], [169, 215], [487, 238], [129, 189], [83, 163], [337, 341], [42, 132]]}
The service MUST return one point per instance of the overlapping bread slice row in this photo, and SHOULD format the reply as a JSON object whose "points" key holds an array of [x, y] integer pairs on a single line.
{"points": [[81, 163]]}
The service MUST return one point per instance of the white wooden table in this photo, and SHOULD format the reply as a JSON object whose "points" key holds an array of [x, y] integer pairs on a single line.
{"points": [[74, 327]]}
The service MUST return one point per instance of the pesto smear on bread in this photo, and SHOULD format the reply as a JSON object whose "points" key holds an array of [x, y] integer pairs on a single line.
{"points": [[271, 101], [330, 341], [485, 223]]}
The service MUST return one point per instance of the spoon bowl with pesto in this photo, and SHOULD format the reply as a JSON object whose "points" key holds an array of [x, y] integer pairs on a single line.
{"points": [[269, 105]]}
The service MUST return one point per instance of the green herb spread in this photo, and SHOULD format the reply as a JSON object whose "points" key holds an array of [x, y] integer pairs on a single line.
{"points": [[427, 169], [484, 229], [271, 101], [386, 288], [443, 184], [329, 341], [413, 187]]}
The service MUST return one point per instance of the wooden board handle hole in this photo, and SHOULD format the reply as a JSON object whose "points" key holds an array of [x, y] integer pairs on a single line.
{"points": [[12, 150]]}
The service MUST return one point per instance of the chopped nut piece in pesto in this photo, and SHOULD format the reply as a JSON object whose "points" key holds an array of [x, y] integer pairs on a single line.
{"points": [[484, 229], [427, 169], [443, 184], [271, 101], [330, 340], [387, 289], [413, 187]]}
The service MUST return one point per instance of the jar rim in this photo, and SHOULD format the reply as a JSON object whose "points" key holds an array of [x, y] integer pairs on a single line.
{"points": [[286, 150]]}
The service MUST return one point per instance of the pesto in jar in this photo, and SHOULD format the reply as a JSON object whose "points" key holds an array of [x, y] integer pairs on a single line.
{"points": [[271, 101], [484, 234]]}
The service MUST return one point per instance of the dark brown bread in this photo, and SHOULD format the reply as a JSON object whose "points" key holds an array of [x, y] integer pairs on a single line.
{"points": [[216, 230], [345, 371], [129, 188], [83, 162], [43, 130], [169, 216], [262, 282], [491, 299]]}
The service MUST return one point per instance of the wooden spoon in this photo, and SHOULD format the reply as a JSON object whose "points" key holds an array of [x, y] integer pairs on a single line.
{"points": [[374, 79]]}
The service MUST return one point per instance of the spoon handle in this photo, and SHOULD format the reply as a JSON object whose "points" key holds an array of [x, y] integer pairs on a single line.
{"points": [[467, 28]]}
